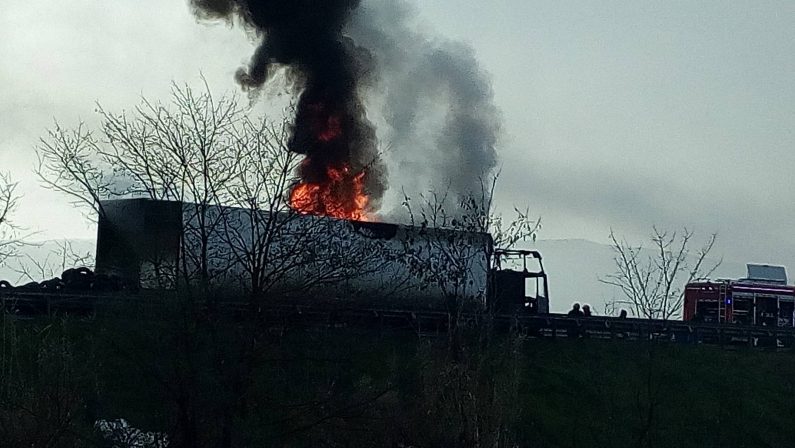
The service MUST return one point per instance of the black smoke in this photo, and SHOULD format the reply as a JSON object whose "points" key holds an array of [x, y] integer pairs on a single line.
{"points": [[306, 38], [344, 51]]}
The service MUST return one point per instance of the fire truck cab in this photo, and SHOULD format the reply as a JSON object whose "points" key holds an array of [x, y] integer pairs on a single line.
{"points": [[762, 298]]}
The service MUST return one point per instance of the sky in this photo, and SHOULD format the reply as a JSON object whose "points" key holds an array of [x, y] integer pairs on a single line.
{"points": [[617, 114]]}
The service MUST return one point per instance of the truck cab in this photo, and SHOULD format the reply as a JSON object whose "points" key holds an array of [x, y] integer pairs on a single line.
{"points": [[515, 288]]}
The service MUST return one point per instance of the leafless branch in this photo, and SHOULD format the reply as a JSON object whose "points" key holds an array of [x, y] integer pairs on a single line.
{"points": [[68, 163], [10, 240], [64, 256], [454, 244], [652, 282]]}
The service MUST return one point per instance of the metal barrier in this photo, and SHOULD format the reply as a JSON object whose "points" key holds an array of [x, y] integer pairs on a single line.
{"points": [[425, 322]]}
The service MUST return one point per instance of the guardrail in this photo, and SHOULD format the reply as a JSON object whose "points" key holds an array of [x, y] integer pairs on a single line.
{"points": [[423, 322]]}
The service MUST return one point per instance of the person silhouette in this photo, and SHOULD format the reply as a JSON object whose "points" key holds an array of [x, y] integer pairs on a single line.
{"points": [[575, 310]]}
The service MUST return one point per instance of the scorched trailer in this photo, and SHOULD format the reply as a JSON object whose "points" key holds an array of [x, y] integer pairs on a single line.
{"points": [[165, 244]]}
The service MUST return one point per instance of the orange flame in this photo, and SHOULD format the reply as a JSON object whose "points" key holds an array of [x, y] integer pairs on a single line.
{"points": [[342, 196], [334, 188]]}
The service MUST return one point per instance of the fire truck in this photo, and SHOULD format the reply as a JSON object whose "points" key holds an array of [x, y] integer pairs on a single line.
{"points": [[763, 298]]}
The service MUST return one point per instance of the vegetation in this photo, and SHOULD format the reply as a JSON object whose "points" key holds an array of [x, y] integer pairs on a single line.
{"points": [[653, 282], [212, 153], [347, 387], [209, 378], [218, 380], [9, 240]]}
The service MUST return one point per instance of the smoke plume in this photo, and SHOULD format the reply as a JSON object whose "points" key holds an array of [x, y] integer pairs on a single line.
{"points": [[437, 105], [306, 37]]}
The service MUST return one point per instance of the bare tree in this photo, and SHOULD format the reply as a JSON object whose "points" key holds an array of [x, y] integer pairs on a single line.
{"points": [[184, 150], [652, 280], [60, 258], [209, 154], [460, 233], [256, 233], [187, 151], [9, 238], [454, 246], [68, 162]]}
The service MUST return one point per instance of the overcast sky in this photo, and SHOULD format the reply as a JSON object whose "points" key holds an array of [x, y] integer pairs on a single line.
{"points": [[619, 114]]}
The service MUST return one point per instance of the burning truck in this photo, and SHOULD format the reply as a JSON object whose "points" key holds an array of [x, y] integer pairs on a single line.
{"points": [[326, 246], [314, 259]]}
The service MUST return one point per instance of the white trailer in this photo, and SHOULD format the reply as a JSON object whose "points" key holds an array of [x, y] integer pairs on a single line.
{"points": [[164, 244]]}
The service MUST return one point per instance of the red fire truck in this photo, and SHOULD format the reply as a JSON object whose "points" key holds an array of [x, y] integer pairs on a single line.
{"points": [[763, 298]]}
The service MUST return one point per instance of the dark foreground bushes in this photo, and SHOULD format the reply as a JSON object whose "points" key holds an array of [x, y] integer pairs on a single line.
{"points": [[225, 381]]}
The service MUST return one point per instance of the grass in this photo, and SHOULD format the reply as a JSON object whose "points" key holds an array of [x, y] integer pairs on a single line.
{"points": [[345, 387]]}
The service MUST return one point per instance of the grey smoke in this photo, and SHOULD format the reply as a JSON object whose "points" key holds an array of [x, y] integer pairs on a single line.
{"points": [[438, 103]]}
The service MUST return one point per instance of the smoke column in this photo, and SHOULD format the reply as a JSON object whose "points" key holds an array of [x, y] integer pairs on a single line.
{"points": [[438, 105], [331, 128], [436, 102]]}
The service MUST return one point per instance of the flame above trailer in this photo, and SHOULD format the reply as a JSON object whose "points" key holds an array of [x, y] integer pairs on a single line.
{"points": [[342, 174], [332, 181], [340, 195]]}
